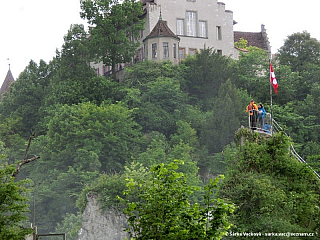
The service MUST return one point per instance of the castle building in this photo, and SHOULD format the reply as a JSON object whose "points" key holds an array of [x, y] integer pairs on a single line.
{"points": [[198, 23], [161, 44], [177, 28]]}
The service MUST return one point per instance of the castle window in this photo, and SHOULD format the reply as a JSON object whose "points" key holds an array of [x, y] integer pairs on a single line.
{"points": [[192, 51], [180, 27], [174, 50], [154, 50], [192, 24], [165, 50], [203, 29], [181, 53], [219, 34]]}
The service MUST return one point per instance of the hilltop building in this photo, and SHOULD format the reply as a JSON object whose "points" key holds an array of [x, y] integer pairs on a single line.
{"points": [[6, 83], [161, 44], [198, 24], [177, 28]]}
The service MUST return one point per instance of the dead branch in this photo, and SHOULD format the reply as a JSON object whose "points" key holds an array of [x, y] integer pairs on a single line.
{"points": [[28, 147], [25, 160]]}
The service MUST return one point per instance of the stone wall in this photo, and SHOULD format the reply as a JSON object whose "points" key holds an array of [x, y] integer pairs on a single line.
{"points": [[211, 12], [98, 225]]}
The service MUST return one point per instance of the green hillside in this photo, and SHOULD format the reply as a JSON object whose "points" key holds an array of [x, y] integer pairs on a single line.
{"points": [[90, 129]]}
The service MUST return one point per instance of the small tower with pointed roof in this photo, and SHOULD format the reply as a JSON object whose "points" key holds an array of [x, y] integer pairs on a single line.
{"points": [[162, 44], [6, 83]]}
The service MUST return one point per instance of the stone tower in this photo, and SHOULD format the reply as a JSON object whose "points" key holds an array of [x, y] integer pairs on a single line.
{"points": [[6, 83], [161, 44]]}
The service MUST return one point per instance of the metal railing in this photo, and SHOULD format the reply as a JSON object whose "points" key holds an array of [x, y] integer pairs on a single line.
{"points": [[261, 125], [277, 128], [270, 126]]}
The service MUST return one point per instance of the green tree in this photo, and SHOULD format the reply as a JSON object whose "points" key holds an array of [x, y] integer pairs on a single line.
{"points": [[13, 205], [289, 82], [161, 209], [10, 137], [74, 80], [27, 96], [153, 91], [307, 80], [91, 137], [299, 50], [242, 44], [301, 53], [228, 114], [114, 30], [203, 76], [269, 187], [159, 151], [161, 106], [251, 73], [71, 225], [141, 74], [55, 194], [82, 141]]}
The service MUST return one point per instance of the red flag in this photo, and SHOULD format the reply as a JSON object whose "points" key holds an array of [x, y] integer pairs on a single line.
{"points": [[273, 79]]}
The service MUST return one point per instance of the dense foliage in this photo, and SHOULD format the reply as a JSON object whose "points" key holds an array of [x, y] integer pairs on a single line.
{"points": [[13, 205], [158, 207], [90, 129], [273, 192], [114, 29]]}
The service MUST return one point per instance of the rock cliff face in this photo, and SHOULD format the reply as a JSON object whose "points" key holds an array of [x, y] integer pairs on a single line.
{"points": [[98, 225]]}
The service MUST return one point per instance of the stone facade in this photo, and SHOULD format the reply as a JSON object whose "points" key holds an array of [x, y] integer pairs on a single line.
{"points": [[161, 44], [198, 24], [99, 225], [195, 25]]}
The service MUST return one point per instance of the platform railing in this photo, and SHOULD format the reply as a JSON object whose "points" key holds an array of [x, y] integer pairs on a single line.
{"points": [[292, 150], [262, 125], [270, 126]]}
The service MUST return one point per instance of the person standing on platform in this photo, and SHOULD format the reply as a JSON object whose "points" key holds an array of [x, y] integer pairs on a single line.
{"points": [[252, 109], [261, 115]]}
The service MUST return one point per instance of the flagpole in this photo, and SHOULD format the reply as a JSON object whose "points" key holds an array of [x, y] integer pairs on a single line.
{"points": [[271, 114]]}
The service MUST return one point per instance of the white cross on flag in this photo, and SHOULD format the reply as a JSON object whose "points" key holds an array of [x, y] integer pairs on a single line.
{"points": [[273, 79]]}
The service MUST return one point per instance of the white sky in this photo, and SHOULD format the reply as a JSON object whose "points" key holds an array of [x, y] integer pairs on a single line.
{"points": [[33, 29], [280, 17]]}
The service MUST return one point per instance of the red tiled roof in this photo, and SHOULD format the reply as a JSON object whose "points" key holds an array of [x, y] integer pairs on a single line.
{"points": [[6, 83]]}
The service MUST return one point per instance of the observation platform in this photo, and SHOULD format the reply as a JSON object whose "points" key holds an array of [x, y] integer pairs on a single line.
{"points": [[268, 126]]}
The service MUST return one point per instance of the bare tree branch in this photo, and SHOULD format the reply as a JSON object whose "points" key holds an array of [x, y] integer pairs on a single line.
{"points": [[29, 143], [25, 160]]}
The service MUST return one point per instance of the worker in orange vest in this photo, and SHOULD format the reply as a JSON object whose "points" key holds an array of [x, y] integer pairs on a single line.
{"points": [[253, 112]]}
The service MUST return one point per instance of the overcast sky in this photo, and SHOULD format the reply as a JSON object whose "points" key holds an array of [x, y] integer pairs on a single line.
{"points": [[33, 29]]}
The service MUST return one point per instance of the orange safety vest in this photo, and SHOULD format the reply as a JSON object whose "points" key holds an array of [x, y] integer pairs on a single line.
{"points": [[251, 108]]}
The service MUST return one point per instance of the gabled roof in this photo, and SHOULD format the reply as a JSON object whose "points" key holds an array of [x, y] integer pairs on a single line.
{"points": [[256, 39], [6, 83], [161, 29]]}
